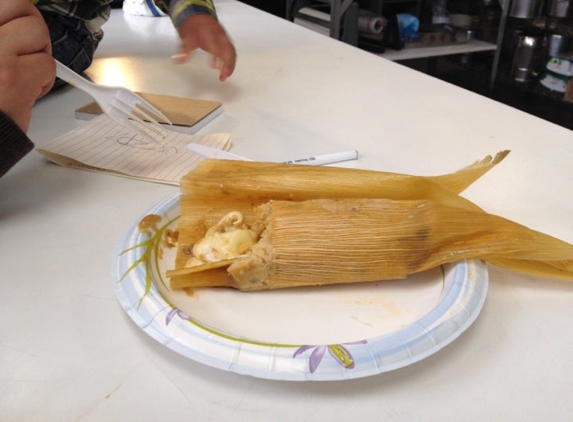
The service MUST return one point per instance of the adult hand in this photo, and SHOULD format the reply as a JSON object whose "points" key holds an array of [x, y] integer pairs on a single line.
{"points": [[27, 69], [206, 33]]}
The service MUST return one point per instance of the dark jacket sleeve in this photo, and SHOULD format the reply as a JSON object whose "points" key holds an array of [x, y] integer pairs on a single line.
{"points": [[14, 144]]}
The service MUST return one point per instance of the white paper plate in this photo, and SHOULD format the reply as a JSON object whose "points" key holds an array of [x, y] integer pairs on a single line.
{"points": [[304, 334]]}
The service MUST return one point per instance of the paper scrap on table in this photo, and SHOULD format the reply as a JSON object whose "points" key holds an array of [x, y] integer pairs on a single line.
{"points": [[188, 115], [102, 145]]}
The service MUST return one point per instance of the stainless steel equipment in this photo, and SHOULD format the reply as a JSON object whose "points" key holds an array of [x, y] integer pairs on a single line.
{"points": [[527, 58], [560, 8], [526, 8], [559, 45]]}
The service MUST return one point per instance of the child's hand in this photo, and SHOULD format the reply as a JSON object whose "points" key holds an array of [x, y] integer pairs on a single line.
{"points": [[206, 33]]}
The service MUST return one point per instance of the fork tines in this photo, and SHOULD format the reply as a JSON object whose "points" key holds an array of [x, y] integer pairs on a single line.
{"points": [[139, 114]]}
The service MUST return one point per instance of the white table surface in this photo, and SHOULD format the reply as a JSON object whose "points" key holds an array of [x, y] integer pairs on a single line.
{"points": [[70, 353]]}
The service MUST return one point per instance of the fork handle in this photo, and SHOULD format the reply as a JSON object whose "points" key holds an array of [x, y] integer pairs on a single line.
{"points": [[65, 73]]}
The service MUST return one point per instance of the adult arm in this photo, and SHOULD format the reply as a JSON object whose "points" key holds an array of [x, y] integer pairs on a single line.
{"points": [[27, 72], [14, 143]]}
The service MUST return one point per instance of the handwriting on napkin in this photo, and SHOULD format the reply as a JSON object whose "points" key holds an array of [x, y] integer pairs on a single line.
{"points": [[103, 145]]}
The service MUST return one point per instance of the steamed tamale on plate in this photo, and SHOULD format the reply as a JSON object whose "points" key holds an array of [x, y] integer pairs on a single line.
{"points": [[321, 333], [257, 226]]}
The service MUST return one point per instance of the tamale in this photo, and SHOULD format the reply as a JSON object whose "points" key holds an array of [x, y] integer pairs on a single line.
{"points": [[387, 226], [325, 241], [215, 187]]}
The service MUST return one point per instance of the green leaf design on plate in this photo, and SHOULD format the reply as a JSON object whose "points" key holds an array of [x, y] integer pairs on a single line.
{"points": [[152, 248]]}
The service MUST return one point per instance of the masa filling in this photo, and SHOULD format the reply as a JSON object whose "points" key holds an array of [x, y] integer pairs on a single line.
{"points": [[227, 239]]}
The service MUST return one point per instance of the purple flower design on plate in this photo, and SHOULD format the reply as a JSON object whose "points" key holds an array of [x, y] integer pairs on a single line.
{"points": [[174, 312], [337, 351]]}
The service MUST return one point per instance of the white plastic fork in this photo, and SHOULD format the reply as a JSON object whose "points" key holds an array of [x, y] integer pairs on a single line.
{"points": [[120, 104]]}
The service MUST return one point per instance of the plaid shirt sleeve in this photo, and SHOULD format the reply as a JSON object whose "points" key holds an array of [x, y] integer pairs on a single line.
{"points": [[179, 10]]}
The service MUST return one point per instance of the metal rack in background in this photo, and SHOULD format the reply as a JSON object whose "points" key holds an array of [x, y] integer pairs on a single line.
{"points": [[356, 22], [338, 9], [515, 11]]}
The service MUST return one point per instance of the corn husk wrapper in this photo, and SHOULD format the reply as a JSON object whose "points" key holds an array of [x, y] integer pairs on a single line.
{"points": [[331, 225], [260, 182]]}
